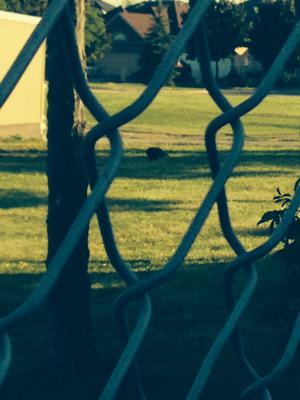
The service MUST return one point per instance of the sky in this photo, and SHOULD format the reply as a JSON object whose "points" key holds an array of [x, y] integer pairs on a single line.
{"points": [[125, 2]]}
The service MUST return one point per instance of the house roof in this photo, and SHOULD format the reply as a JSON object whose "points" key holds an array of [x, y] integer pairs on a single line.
{"points": [[140, 17], [139, 22], [168, 10]]}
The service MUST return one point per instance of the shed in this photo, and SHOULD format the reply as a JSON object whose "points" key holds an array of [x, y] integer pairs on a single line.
{"points": [[22, 113]]}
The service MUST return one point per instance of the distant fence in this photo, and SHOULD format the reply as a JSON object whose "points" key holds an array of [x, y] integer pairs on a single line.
{"points": [[138, 290]]}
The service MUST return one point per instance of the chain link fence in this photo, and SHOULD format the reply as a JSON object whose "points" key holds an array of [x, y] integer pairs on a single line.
{"points": [[138, 290]]}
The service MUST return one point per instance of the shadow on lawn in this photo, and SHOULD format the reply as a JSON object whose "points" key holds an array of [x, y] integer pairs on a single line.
{"points": [[179, 164], [192, 165], [188, 312], [116, 204], [256, 232], [17, 161], [16, 198]]}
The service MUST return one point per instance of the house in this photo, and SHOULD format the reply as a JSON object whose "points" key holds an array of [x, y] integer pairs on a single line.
{"points": [[129, 29], [241, 62], [224, 68], [22, 113], [244, 62]]}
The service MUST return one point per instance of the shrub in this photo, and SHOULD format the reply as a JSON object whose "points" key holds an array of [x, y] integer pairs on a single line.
{"points": [[274, 217], [283, 310], [291, 239]]}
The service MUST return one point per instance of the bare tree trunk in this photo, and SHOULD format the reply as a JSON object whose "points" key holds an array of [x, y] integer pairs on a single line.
{"points": [[217, 71], [79, 119], [71, 342]]}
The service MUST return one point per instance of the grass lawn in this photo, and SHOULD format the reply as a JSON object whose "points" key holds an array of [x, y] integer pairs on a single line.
{"points": [[151, 206]]}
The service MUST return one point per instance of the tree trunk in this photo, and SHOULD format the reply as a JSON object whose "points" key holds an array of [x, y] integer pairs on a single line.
{"points": [[217, 70], [71, 340]]}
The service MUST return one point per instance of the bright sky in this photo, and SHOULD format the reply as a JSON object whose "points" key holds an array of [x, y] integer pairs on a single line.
{"points": [[126, 2]]}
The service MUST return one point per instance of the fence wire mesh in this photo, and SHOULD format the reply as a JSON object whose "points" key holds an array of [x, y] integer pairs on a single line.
{"points": [[138, 290]]}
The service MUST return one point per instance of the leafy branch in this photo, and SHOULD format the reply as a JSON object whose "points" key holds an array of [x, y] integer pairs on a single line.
{"points": [[275, 216]]}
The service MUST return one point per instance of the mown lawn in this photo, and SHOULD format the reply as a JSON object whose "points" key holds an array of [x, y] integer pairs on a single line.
{"points": [[151, 206]]}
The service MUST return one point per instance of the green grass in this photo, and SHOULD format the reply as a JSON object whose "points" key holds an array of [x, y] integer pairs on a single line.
{"points": [[183, 114], [152, 204]]}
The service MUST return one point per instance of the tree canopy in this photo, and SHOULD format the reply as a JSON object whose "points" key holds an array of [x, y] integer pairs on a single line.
{"points": [[97, 39], [31, 7], [2, 5], [156, 45], [225, 30], [224, 22], [273, 22]]}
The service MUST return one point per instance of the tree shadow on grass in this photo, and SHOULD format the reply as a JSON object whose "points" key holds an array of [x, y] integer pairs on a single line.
{"points": [[18, 161], [255, 232], [193, 165], [179, 165], [118, 204], [17, 198], [188, 312]]}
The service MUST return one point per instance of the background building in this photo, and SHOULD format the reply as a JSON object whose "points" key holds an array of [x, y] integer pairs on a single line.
{"points": [[129, 29], [22, 114]]}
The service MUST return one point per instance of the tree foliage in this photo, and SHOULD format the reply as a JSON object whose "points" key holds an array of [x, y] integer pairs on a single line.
{"points": [[2, 5], [31, 7], [224, 21], [274, 217], [156, 45], [225, 29], [97, 40], [271, 27]]}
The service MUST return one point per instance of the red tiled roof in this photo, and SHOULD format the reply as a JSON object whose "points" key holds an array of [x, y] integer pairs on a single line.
{"points": [[141, 23], [181, 8]]}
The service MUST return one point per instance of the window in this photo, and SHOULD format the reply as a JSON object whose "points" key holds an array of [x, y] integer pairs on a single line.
{"points": [[119, 37]]}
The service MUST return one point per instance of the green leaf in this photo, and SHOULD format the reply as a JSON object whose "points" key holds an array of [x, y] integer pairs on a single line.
{"points": [[270, 216]]}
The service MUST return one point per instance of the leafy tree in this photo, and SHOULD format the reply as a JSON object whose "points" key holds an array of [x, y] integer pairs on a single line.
{"points": [[156, 45], [271, 27], [289, 256], [97, 40], [274, 217], [31, 7], [224, 21], [225, 30], [2, 5]]}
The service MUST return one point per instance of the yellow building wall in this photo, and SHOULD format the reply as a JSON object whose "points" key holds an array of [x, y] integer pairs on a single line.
{"points": [[23, 111]]}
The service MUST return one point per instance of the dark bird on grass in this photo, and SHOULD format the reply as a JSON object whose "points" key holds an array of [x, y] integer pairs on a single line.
{"points": [[155, 153]]}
